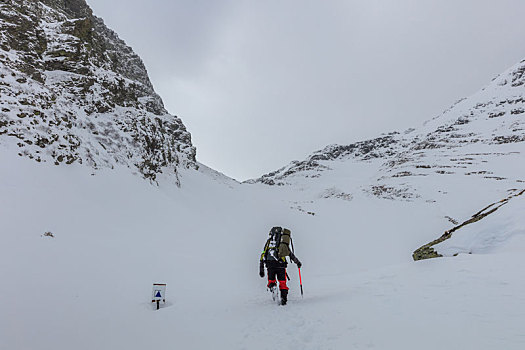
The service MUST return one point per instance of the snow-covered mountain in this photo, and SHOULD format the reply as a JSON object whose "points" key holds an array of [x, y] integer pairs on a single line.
{"points": [[480, 137], [465, 159], [71, 91]]}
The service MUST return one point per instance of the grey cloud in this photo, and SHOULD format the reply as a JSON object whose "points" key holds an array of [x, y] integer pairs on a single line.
{"points": [[260, 83]]}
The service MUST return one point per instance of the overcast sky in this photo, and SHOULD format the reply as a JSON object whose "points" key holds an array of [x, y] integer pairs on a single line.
{"points": [[261, 83]]}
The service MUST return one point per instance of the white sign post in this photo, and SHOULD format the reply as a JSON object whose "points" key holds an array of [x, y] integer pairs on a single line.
{"points": [[158, 294]]}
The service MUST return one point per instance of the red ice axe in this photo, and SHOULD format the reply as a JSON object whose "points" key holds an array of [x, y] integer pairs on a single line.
{"points": [[300, 281]]}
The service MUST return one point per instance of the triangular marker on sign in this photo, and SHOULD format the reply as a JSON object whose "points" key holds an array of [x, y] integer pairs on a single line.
{"points": [[158, 294]]}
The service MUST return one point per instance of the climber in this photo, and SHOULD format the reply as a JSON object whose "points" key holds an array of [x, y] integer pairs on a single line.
{"points": [[274, 254]]}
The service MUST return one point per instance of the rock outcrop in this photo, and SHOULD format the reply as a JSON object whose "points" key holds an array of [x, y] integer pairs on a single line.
{"points": [[428, 250], [71, 91]]}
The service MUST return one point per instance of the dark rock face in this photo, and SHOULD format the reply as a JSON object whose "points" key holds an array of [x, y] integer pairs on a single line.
{"points": [[73, 91], [374, 148], [72, 8], [364, 150]]}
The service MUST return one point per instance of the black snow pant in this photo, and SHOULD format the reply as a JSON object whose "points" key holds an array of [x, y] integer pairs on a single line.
{"points": [[277, 269]]}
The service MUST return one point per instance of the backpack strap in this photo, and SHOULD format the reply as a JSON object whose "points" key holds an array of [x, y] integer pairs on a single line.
{"points": [[265, 250], [278, 239]]}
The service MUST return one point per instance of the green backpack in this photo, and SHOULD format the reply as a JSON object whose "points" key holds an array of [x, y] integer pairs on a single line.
{"points": [[278, 245], [284, 247]]}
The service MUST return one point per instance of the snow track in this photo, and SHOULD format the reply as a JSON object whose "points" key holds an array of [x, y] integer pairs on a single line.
{"points": [[463, 302]]}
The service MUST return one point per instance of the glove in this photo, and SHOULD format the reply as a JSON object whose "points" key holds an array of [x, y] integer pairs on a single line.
{"points": [[261, 270], [295, 260]]}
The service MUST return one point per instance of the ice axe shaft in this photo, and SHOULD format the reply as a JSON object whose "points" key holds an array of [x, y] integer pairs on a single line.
{"points": [[300, 281]]}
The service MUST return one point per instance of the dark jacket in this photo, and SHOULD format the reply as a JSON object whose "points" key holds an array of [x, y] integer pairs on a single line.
{"points": [[280, 262]]}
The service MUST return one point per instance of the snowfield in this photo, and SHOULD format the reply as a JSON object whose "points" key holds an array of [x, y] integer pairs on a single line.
{"points": [[115, 234], [82, 245]]}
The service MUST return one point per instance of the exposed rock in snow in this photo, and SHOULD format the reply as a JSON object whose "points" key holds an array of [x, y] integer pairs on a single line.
{"points": [[72, 91], [429, 251]]}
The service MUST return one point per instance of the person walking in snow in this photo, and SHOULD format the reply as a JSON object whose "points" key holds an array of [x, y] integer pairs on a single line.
{"points": [[274, 254]]}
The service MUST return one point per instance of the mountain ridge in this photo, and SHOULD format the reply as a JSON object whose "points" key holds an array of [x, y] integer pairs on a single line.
{"points": [[470, 137]]}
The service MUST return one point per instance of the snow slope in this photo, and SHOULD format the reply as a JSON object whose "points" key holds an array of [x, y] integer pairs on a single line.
{"points": [[503, 229], [89, 287], [81, 246]]}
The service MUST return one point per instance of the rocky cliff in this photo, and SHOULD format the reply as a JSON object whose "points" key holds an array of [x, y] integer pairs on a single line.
{"points": [[71, 91]]}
